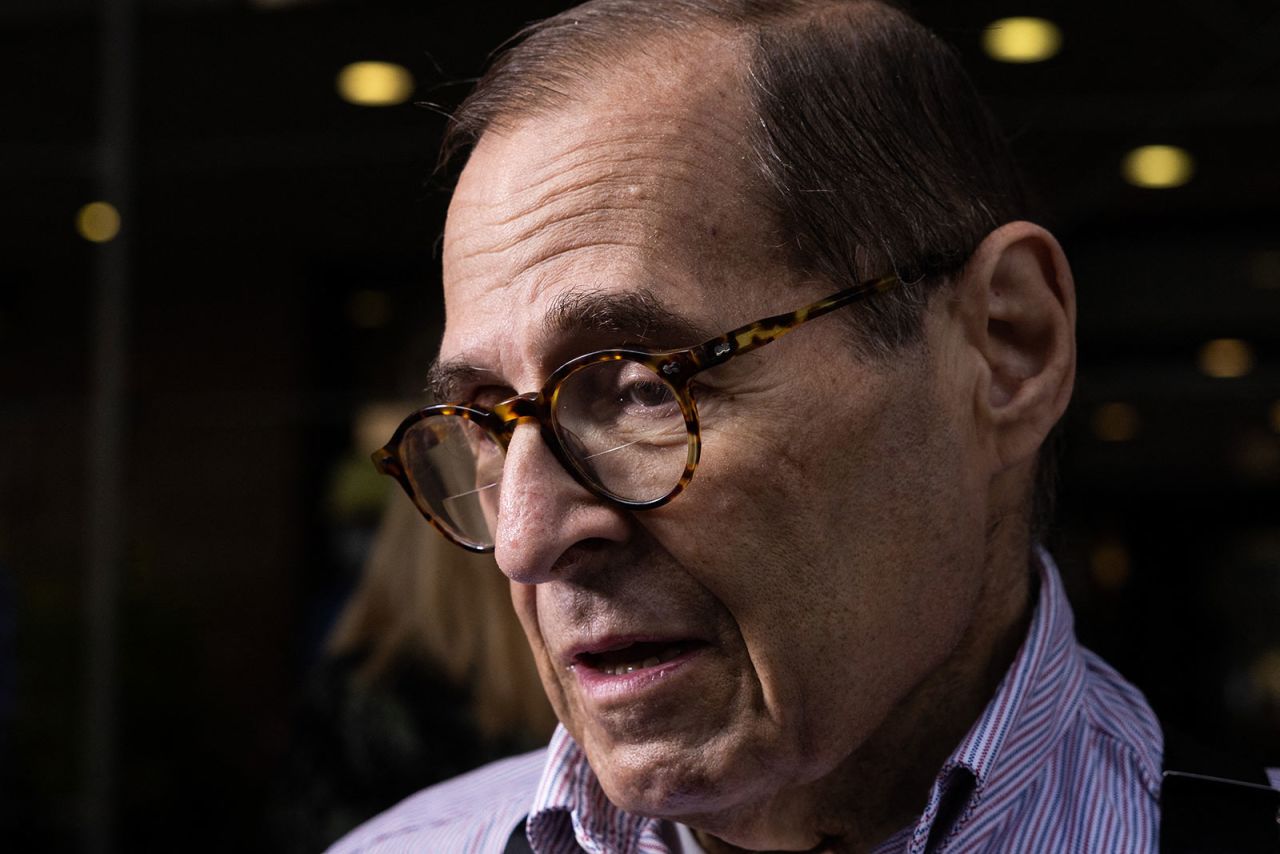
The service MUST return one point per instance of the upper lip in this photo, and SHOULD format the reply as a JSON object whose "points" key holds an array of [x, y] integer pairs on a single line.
{"points": [[609, 643]]}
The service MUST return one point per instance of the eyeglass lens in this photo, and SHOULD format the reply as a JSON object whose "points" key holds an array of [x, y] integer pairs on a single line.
{"points": [[620, 425]]}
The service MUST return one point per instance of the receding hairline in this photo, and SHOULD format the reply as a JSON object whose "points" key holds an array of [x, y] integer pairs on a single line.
{"points": [[553, 79], [660, 64]]}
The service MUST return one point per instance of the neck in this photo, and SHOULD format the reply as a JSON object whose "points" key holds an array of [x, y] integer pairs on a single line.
{"points": [[884, 784]]}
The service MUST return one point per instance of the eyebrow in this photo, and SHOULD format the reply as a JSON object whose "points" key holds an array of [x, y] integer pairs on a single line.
{"points": [[446, 379], [634, 317], [637, 315]]}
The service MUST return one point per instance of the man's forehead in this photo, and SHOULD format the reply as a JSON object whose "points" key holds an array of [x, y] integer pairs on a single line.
{"points": [[658, 116], [624, 201], [600, 154]]}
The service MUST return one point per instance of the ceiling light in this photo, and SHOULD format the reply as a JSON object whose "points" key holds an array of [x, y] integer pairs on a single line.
{"points": [[1158, 166], [1226, 358], [1110, 565], [1021, 39], [1116, 422], [98, 222], [375, 84]]}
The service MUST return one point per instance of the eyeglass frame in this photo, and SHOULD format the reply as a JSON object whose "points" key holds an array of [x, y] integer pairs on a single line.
{"points": [[676, 367]]}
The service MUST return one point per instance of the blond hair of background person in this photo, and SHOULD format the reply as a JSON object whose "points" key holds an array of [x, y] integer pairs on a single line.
{"points": [[422, 599], [425, 675]]}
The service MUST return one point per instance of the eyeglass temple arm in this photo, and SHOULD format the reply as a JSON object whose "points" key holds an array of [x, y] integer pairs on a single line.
{"points": [[747, 338]]}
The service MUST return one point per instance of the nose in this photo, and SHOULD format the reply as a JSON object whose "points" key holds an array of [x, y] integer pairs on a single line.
{"points": [[547, 521]]}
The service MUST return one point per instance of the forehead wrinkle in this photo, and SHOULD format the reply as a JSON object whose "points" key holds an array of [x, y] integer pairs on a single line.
{"points": [[581, 195], [646, 169], [636, 222], [591, 213], [690, 143], [563, 252], [616, 152], [656, 169]]}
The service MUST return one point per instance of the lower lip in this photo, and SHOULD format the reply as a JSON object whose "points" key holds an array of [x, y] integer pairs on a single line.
{"points": [[607, 687]]}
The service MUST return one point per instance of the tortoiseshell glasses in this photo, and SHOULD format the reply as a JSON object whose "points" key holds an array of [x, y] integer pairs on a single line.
{"points": [[623, 423]]}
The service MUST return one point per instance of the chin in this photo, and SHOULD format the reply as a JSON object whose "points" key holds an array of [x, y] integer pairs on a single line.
{"points": [[686, 785]]}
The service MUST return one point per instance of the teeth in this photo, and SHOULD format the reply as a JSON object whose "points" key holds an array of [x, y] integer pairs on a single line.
{"points": [[652, 661]]}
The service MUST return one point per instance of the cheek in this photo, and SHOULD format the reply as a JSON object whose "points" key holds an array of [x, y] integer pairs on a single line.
{"points": [[842, 549], [524, 597], [753, 531]]}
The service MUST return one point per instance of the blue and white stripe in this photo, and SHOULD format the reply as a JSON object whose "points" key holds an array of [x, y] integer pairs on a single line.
{"points": [[1066, 757]]}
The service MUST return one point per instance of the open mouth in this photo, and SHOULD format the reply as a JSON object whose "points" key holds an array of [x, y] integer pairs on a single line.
{"points": [[635, 656]]}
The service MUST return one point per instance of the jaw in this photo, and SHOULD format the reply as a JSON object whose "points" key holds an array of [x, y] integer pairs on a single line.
{"points": [[695, 748]]}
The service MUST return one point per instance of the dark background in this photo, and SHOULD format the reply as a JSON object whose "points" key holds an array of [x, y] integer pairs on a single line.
{"points": [[279, 277]]}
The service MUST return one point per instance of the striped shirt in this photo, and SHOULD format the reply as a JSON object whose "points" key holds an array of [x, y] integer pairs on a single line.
{"points": [[1065, 757]]}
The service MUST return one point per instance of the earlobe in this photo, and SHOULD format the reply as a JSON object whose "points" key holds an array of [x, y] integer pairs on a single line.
{"points": [[1020, 300]]}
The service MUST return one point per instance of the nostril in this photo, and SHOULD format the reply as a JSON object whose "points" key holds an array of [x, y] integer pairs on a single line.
{"points": [[579, 555]]}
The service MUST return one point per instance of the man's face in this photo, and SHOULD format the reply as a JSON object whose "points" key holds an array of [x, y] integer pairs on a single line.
{"points": [[827, 556]]}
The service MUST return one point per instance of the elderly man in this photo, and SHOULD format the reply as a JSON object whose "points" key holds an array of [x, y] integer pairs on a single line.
{"points": [[780, 576]]}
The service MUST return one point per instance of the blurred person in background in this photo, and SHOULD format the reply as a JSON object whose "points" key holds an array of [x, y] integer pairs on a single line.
{"points": [[425, 675]]}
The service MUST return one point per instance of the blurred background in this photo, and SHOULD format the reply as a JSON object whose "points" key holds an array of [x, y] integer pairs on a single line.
{"points": [[219, 291]]}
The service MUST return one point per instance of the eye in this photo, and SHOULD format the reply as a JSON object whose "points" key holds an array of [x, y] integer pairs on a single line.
{"points": [[638, 391], [651, 392], [616, 392]]}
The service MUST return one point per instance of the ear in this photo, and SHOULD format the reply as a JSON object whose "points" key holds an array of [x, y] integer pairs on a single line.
{"points": [[1019, 303]]}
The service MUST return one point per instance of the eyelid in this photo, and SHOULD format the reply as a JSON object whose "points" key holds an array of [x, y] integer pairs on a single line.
{"points": [[485, 396]]}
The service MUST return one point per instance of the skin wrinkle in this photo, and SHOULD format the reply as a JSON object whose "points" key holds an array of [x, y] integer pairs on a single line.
{"points": [[567, 221], [709, 134], [596, 157], [550, 214], [657, 234], [623, 187], [557, 254], [535, 275]]}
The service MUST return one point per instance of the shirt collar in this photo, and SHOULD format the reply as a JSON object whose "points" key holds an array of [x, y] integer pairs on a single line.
{"points": [[1026, 716], [570, 806]]}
